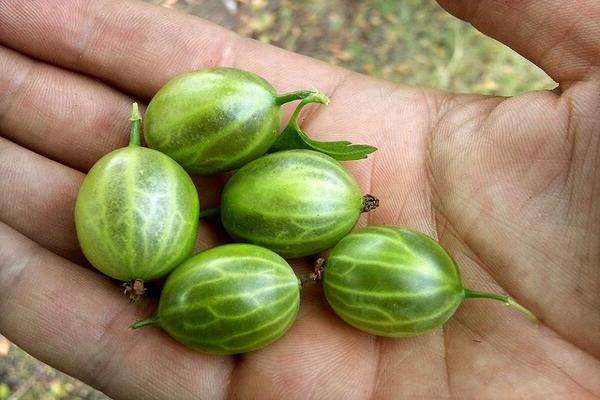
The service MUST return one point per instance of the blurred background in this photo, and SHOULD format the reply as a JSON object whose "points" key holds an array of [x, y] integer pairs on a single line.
{"points": [[407, 41]]}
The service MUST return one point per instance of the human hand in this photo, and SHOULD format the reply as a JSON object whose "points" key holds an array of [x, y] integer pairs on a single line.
{"points": [[507, 185]]}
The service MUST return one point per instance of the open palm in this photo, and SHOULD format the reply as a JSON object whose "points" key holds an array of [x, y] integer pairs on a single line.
{"points": [[509, 186]]}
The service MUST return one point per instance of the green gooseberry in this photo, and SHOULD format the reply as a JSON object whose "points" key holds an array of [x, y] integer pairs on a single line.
{"points": [[218, 119], [395, 282], [136, 213], [294, 202], [229, 299]]}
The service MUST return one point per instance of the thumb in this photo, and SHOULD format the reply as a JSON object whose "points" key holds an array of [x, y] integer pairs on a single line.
{"points": [[561, 37]]}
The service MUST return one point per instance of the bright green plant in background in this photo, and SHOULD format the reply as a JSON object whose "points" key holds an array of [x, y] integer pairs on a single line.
{"points": [[4, 391]]}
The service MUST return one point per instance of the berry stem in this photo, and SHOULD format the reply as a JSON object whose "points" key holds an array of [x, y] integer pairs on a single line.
{"points": [[209, 212], [509, 301], [136, 126], [369, 203], [301, 95], [154, 320]]}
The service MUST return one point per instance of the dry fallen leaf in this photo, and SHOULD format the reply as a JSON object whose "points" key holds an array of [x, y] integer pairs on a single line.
{"points": [[4, 346], [168, 3]]}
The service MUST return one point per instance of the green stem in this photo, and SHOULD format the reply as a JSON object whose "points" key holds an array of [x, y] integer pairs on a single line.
{"points": [[136, 126], [154, 320], [509, 301], [300, 95], [313, 97], [209, 212]]}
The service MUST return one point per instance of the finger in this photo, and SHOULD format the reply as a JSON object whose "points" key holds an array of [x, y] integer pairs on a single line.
{"points": [[137, 46], [559, 36], [76, 320], [62, 115], [38, 197]]}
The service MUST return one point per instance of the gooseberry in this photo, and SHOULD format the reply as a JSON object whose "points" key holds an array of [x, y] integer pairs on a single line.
{"points": [[136, 213], [229, 299], [294, 202], [392, 281]]}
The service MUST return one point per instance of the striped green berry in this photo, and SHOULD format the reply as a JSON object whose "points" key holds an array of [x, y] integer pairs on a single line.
{"points": [[294, 202], [229, 299], [214, 119], [136, 213], [395, 282]]}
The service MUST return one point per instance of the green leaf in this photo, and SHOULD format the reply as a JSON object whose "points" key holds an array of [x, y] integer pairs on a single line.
{"points": [[293, 137]]}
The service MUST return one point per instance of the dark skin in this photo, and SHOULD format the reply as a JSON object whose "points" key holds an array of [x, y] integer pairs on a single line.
{"points": [[509, 186]]}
